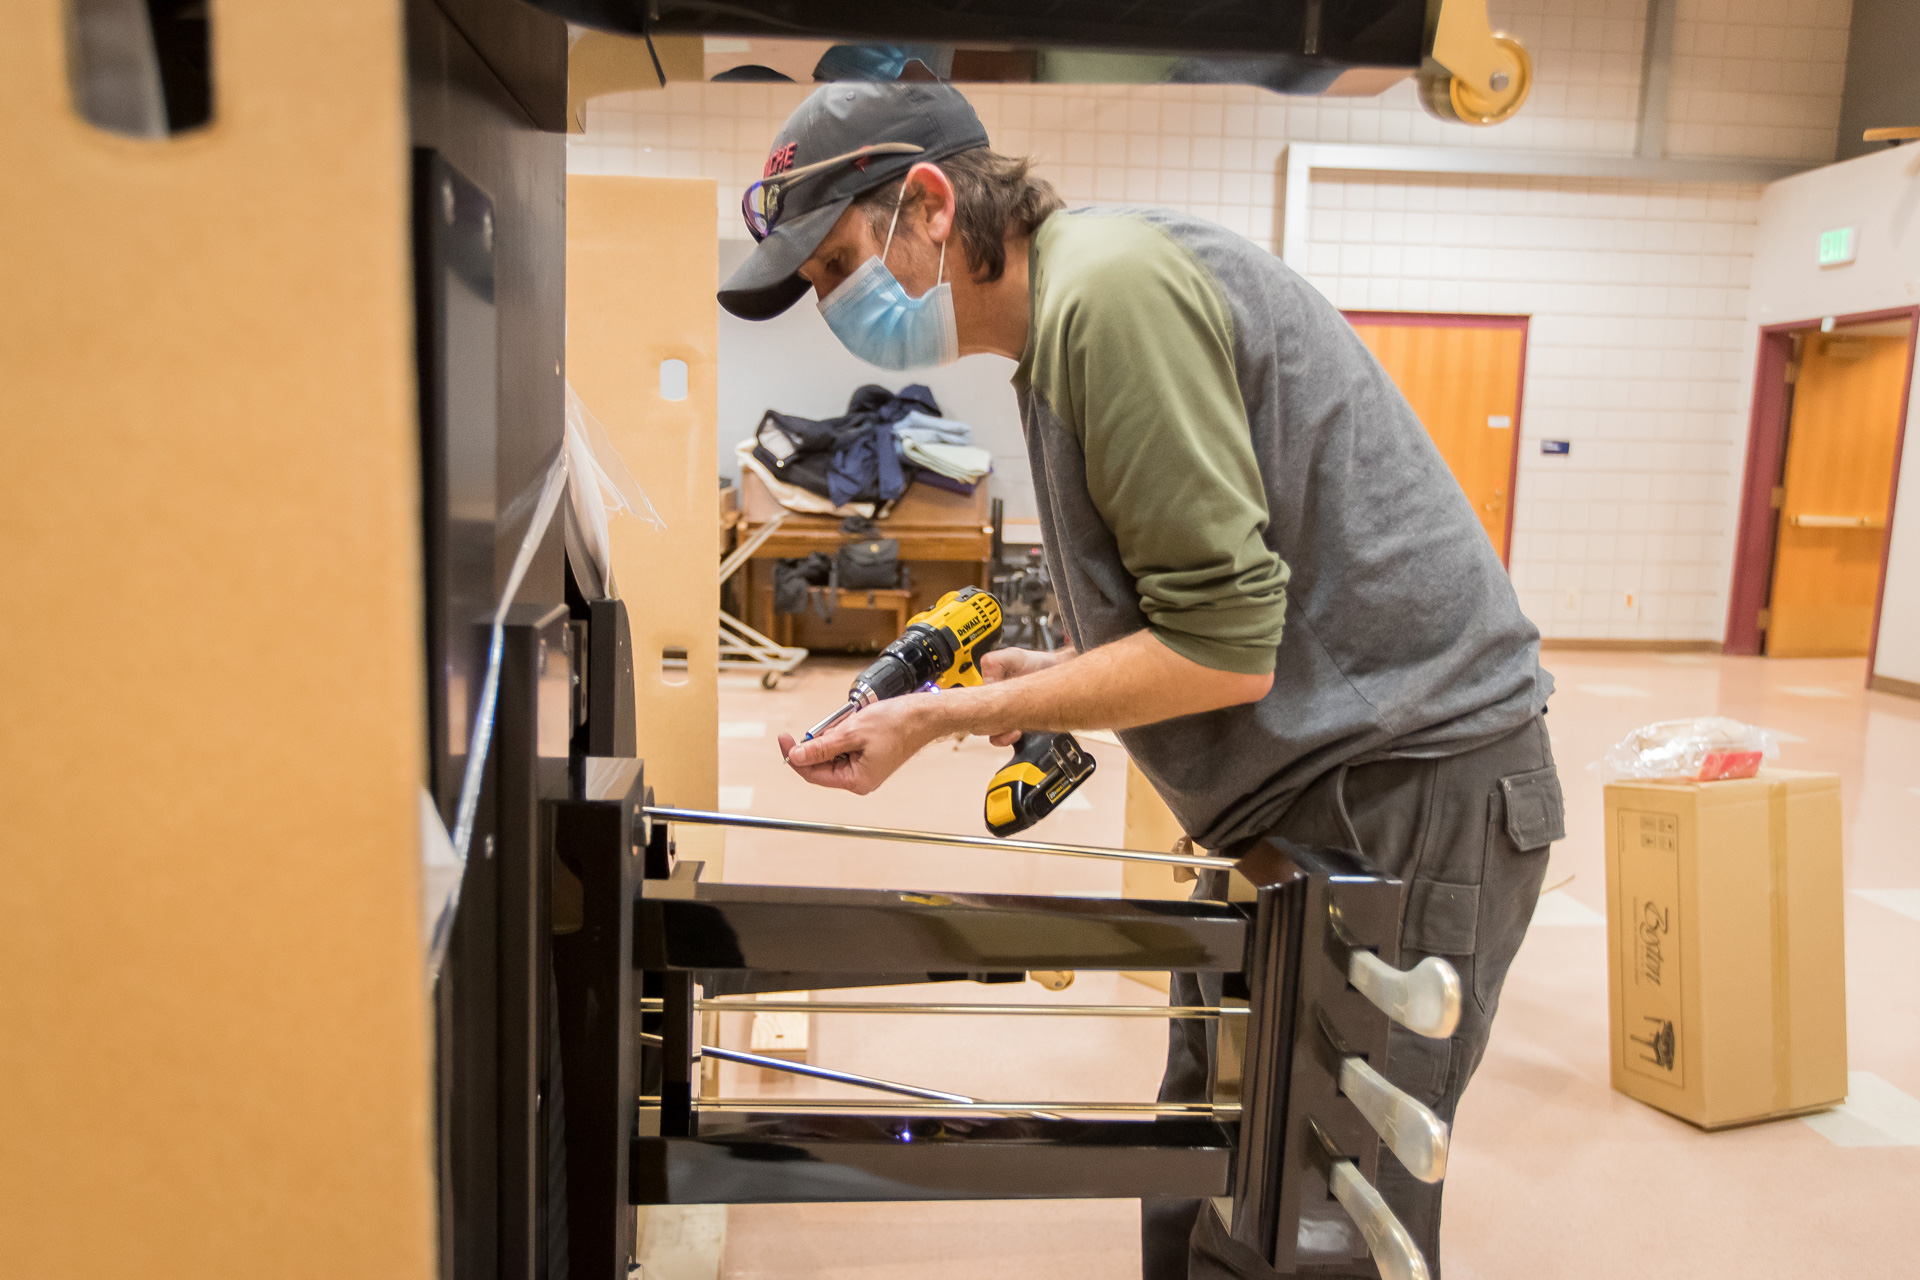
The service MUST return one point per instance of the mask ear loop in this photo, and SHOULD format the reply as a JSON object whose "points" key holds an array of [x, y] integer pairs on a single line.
{"points": [[940, 272], [898, 201]]}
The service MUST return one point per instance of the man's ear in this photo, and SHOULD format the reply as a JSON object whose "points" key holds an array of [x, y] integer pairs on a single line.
{"points": [[937, 199]]}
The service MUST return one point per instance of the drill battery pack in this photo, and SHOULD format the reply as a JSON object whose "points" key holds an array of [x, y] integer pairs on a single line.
{"points": [[1046, 768]]}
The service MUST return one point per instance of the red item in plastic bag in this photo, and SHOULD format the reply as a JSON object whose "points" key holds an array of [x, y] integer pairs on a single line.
{"points": [[1718, 766]]}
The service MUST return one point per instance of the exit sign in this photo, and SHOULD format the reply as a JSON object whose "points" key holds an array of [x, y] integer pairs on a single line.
{"points": [[1836, 247]]}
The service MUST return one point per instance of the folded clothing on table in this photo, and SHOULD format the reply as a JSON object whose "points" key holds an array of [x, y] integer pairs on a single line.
{"points": [[848, 459], [944, 449]]}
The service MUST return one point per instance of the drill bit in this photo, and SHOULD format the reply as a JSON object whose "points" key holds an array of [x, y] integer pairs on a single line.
{"points": [[848, 708]]}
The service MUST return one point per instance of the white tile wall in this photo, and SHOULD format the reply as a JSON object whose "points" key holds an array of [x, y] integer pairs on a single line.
{"points": [[1638, 349], [1758, 78], [1637, 354]]}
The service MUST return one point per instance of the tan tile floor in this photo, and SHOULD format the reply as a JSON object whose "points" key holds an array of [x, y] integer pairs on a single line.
{"points": [[1552, 1174]]}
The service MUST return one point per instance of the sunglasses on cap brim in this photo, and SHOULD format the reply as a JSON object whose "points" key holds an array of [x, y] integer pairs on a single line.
{"points": [[761, 204]]}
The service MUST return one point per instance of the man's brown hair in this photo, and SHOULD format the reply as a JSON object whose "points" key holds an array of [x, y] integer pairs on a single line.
{"points": [[996, 198]]}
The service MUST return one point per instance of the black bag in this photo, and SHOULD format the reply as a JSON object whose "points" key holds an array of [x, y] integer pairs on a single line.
{"points": [[794, 579], [797, 450], [866, 566]]}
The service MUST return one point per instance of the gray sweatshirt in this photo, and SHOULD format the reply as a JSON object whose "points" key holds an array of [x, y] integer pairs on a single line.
{"points": [[1219, 459]]}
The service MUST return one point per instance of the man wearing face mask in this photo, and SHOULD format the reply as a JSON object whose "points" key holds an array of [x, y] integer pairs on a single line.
{"points": [[1278, 594]]}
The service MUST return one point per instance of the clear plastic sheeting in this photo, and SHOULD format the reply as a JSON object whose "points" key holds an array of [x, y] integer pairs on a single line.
{"points": [[1705, 749], [599, 487], [587, 470], [440, 873]]}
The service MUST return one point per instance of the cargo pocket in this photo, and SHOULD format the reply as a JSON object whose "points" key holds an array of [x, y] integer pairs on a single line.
{"points": [[1536, 813], [1525, 814]]}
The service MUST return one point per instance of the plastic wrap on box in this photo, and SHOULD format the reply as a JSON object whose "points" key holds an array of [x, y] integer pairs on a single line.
{"points": [[1704, 749]]}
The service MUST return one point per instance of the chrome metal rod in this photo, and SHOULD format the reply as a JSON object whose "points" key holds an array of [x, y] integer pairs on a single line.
{"points": [[930, 837], [819, 1073], [744, 552], [815, 1106], [1021, 1010]]}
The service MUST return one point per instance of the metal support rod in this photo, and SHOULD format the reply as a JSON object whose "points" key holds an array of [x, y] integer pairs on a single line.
{"points": [[817, 1106], [744, 552], [932, 837], [819, 1073], [1019, 1010]]}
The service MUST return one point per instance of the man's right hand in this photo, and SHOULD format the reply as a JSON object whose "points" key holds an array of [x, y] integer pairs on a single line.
{"points": [[1007, 664]]}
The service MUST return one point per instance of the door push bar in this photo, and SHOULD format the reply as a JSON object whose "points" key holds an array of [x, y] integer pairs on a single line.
{"points": [[1293, 1138]]}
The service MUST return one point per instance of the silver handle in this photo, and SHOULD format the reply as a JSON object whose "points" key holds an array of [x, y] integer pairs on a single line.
{"points": [[1424, 999], [1837, 522], [663, 813], [1392, 1247], [1413, 1133]]}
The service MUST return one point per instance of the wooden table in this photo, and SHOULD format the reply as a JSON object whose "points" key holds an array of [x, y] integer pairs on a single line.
{"points": [[948, 532]]}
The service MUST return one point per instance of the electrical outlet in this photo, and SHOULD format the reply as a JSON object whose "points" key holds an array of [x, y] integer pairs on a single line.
{"points": [[1630, 601], [1572, 602]]}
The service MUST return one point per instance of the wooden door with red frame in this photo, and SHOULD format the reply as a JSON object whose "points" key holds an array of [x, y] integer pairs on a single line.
{"points": [[1848, 391], [1462, 374]]}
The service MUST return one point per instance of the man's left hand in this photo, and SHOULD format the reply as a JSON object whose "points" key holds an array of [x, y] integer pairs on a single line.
{"points": [[862, 751]]}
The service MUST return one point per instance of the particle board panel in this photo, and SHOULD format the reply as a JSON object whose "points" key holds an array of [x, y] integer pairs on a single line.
{"points": [[217, 1058], [642, 269]]}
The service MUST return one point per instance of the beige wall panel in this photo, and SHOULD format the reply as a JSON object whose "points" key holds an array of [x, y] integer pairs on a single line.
{"points": [[215, 1059], [642, 268], [601, 63], [1149, 825]]}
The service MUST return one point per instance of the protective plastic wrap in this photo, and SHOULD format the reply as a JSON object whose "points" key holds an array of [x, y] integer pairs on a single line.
{"points": [[1706, 749]]}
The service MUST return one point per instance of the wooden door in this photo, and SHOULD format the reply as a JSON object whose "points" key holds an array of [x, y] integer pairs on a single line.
{"points": [[1833, 503], [1462, 378]]}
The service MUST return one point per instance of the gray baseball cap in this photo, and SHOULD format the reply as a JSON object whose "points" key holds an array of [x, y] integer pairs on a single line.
{"points": [[834, 120]]}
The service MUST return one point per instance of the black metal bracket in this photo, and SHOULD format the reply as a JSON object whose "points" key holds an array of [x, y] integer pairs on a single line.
{"points": [[1302, 1009], [678, 931]]}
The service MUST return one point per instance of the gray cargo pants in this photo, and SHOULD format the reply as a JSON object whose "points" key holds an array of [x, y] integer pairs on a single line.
{"points": [[1469, 835]]}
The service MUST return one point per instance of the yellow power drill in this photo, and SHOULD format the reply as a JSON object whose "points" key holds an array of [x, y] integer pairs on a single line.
{"points": [[941, 648]]}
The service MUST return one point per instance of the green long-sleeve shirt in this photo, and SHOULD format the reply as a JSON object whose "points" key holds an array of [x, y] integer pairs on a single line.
{"points": [[1132, 344]]}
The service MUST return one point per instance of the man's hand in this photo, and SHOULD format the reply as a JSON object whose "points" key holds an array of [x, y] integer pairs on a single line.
{"points": [[862, 751], [1133, 681]]}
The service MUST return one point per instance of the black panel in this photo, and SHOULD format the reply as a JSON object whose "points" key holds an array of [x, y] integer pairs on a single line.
{"points": [[610, 729], [1385, 33], [525, 49], [461, 109], [751, 1159], [595, 841], [457, 332], [488, 437], [762, 927], [1302, 1004]]}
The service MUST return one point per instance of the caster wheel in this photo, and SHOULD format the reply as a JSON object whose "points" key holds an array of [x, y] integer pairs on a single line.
{"points": [[1449, 98], [771, 680]]}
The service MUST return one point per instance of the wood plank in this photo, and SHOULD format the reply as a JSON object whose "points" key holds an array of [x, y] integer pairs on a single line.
{"points": [[219, 1052], [641, 261]]}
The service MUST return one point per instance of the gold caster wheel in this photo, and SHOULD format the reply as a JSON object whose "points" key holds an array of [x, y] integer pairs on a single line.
{"points": [[1450, 97]]}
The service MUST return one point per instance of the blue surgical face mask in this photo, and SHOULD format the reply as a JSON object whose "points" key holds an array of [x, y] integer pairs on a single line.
{"points": [[872, 315]]}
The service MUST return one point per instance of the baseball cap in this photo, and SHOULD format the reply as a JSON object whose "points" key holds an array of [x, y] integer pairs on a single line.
{"points": [[834, 120]]}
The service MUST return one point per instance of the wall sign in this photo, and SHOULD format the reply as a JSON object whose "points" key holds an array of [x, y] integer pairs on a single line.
{"points": [[1556, 446], [1836, 247]]}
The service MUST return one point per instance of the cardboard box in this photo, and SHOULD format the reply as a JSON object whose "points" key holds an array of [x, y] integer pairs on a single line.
{"points": [[1725, 946]]}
